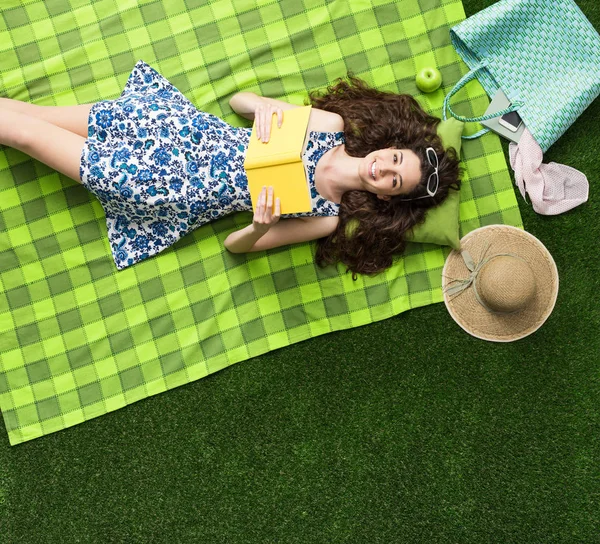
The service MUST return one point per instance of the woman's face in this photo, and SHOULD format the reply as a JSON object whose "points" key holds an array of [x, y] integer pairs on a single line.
{"points": [[390, 172]]}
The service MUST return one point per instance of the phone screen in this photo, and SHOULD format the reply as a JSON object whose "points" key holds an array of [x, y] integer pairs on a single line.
{"points": [[512, 118]]}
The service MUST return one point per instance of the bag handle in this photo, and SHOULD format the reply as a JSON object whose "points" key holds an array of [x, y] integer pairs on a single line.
{"points": [[461, 83]]}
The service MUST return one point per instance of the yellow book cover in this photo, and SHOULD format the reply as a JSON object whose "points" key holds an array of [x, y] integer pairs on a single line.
{"points": [[278, 162]]}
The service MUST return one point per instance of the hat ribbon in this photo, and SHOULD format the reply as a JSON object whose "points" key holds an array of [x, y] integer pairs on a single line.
{"points": [[461, 285]]}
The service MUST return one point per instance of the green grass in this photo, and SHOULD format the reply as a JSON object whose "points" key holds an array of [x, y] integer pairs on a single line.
{"points": [[406, 430]]}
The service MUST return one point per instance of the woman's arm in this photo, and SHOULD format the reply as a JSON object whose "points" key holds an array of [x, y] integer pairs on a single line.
{"points": [[261, 110], [263, 220], [248, 104], [245, 104], [266, 232], [285, 232]]}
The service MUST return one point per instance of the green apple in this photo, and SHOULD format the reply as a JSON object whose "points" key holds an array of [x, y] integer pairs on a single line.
{"points": [[429, 79]]}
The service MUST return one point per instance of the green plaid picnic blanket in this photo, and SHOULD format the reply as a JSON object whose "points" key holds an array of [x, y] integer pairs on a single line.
{"points": [[77, 337]]}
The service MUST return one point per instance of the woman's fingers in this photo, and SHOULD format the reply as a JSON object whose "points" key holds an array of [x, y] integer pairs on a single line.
{"points": [[259, 213], [262, 121], [261, 201], [263, 117], [268, 122], [267, 125], [263, 215], [272, 217], [269, 202], [257, 114], [277, 209], [267, 205]]}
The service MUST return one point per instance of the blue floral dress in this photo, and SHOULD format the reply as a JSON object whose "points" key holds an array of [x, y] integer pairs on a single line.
{"points": [[161, 168]]}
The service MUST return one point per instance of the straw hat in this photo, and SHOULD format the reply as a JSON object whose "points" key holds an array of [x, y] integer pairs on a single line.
{"points": [[502, 284]]}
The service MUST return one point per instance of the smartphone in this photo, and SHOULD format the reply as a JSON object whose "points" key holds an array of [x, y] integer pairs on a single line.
{"points": [[512, 121]]}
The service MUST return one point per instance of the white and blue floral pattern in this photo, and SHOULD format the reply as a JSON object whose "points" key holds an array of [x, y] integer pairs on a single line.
{"points": [[161, 168], [317, 145]]}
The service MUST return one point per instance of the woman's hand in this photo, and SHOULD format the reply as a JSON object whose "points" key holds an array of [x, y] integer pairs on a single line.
{"points": [[264, 219], [262, 119]]}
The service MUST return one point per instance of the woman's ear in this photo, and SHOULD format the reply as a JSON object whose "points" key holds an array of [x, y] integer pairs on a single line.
{"points": [[383, 197]]}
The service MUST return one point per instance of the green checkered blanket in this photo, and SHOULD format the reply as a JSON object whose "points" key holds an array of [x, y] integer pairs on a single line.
{"points": [[79, 339]]}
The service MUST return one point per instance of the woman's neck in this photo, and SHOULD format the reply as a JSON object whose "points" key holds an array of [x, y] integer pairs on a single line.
{"points": [[339, 173]]}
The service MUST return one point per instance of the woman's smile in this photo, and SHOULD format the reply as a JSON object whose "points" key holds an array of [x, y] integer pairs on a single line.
{"points": [[375, 173], [373, 170]]}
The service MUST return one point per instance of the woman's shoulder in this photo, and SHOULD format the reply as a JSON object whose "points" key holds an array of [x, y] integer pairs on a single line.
{"points": [[325, 121]]}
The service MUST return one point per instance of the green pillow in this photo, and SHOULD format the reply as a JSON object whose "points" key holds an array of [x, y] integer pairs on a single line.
{"points": [[441, 223]]}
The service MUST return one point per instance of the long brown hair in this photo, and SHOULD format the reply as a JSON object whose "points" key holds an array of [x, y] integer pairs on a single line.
{"points": [[370, 230]]}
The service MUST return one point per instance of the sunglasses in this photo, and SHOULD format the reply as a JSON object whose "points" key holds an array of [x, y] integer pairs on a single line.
{"points": [[434, 179]]}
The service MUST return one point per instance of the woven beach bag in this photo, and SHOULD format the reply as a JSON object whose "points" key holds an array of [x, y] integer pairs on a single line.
{"points": [[544, 55]]}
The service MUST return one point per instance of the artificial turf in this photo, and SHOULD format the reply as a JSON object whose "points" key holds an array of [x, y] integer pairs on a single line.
{"points": [[406, 430]]}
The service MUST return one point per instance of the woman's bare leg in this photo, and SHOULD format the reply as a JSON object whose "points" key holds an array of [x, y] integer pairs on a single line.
{"points": [[72, 118], [57, 147]]}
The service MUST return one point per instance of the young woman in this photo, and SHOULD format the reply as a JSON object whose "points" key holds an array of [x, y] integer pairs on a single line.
{"points": [[162, 168]]}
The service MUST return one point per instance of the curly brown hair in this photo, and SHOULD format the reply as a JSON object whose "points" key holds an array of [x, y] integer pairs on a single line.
{"points": [[371, 231]]}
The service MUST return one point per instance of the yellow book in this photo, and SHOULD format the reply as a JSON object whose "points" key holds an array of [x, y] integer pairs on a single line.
{"points": [[278, 162]]}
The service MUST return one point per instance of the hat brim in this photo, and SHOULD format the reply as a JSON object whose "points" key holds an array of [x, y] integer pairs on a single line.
{"points": [[471, 315]]}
